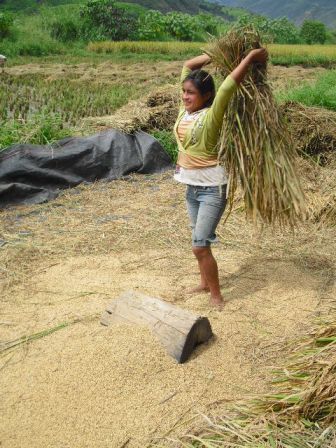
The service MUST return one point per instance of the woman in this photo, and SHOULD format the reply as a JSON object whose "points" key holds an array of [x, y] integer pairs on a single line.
{"points": [[197, 131]]}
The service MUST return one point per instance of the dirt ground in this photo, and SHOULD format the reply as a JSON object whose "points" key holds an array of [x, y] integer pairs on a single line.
{"points": [[86, 385], [79, 384]]}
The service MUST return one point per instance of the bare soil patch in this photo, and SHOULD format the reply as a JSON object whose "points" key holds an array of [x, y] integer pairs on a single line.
{"points": [[87, 385]]}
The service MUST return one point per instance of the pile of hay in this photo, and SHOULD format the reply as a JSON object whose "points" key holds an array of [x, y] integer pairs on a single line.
{"points": [[301, 413], [255, 145], [319, 184], [313, 130], [156, 111], [313, 133]]}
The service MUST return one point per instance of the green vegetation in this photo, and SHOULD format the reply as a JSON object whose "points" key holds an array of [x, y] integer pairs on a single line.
{"points": [[295, 10], [6, 23], [279, 31], [41, 128], [105, 20], [67, 28], [320, 94], [21, 97], [306, 55], [38, 110], [313, 32], [168, 141]]}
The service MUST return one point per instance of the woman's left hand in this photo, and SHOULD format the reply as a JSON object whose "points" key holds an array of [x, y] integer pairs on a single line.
{"points": [[258, 55]]}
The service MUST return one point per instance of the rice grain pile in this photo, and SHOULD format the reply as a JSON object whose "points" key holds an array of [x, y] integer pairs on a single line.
{"points": [[299, 413], [254, 145]]}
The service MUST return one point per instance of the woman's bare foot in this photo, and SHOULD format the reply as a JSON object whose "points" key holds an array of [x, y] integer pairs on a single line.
{"points": [[217, 302], [198, 289]]}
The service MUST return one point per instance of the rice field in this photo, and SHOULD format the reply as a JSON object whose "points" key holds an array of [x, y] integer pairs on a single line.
{"points": [[22, 97], [138, 47], [307, 55], [36, 109]]}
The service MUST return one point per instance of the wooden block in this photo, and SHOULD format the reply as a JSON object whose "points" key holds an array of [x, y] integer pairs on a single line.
{"points": [[178, 330]]}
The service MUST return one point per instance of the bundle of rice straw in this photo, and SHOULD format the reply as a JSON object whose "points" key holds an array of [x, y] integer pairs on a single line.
{"points": [[254, 144]]}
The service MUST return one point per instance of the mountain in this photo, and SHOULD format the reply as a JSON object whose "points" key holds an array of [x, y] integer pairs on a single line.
{"points": [[185, 6], [295, 10]]}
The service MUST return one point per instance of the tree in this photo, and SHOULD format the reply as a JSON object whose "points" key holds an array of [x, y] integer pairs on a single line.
{"points": [[103, 19], [313, 32], [6, 22], [279, 31], [152, 26], [181, 26]]}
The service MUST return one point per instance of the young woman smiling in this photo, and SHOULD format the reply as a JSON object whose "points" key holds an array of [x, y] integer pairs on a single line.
{"points": [[197, 131]]}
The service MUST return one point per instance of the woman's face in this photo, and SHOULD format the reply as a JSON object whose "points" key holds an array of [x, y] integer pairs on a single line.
{"points": [[192, 98]]}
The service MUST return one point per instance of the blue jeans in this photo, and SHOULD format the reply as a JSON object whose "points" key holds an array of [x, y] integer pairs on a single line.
{"points": [[205, 206]]}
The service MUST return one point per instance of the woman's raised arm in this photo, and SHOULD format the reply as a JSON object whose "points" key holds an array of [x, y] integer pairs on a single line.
{"points": [[198, 62], [258, 55]]}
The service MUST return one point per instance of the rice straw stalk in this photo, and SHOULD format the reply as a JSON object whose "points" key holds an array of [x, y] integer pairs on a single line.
{"points": [[255, 146]]}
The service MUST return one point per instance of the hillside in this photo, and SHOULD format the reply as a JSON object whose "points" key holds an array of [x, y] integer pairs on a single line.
{"points": [[185, 6], [295, 10]]}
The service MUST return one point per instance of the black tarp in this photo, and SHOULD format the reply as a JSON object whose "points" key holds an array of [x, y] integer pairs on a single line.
{"points": [[31, 174]]}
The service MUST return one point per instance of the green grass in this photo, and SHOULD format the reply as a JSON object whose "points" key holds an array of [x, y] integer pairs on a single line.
{"points": [[320, 94], [41, 129], [38, 110], [23, 96], [167, 140], [306, 55]]}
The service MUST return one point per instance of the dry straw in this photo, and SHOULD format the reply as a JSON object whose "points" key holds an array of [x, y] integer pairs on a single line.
{"points": [[254, 145], [301, 414], [158, 110]]}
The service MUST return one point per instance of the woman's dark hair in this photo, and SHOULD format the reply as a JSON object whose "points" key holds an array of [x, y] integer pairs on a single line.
{"points": [[204, 83]]}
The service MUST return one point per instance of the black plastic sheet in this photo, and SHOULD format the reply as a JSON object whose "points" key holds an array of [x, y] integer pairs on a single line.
{"points": [[31, 174]]}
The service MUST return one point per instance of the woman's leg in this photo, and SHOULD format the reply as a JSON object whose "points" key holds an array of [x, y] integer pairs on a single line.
{"points": [[211, 207], [209, 271], [193, 207]]}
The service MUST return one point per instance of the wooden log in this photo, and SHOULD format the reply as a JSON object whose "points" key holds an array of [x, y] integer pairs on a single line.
{"points": [[178, 330]]}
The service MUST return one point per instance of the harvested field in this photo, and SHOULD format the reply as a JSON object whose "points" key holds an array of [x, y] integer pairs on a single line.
{"points": [[67, 381], [110, 72]]}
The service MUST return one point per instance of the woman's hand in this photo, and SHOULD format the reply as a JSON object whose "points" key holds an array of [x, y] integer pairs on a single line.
{"points": [[258, 55]]}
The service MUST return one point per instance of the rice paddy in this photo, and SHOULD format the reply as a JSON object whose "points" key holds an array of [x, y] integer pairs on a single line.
{"points": [[45, 106], [21, 97], [163, 48], [306, 55]]}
